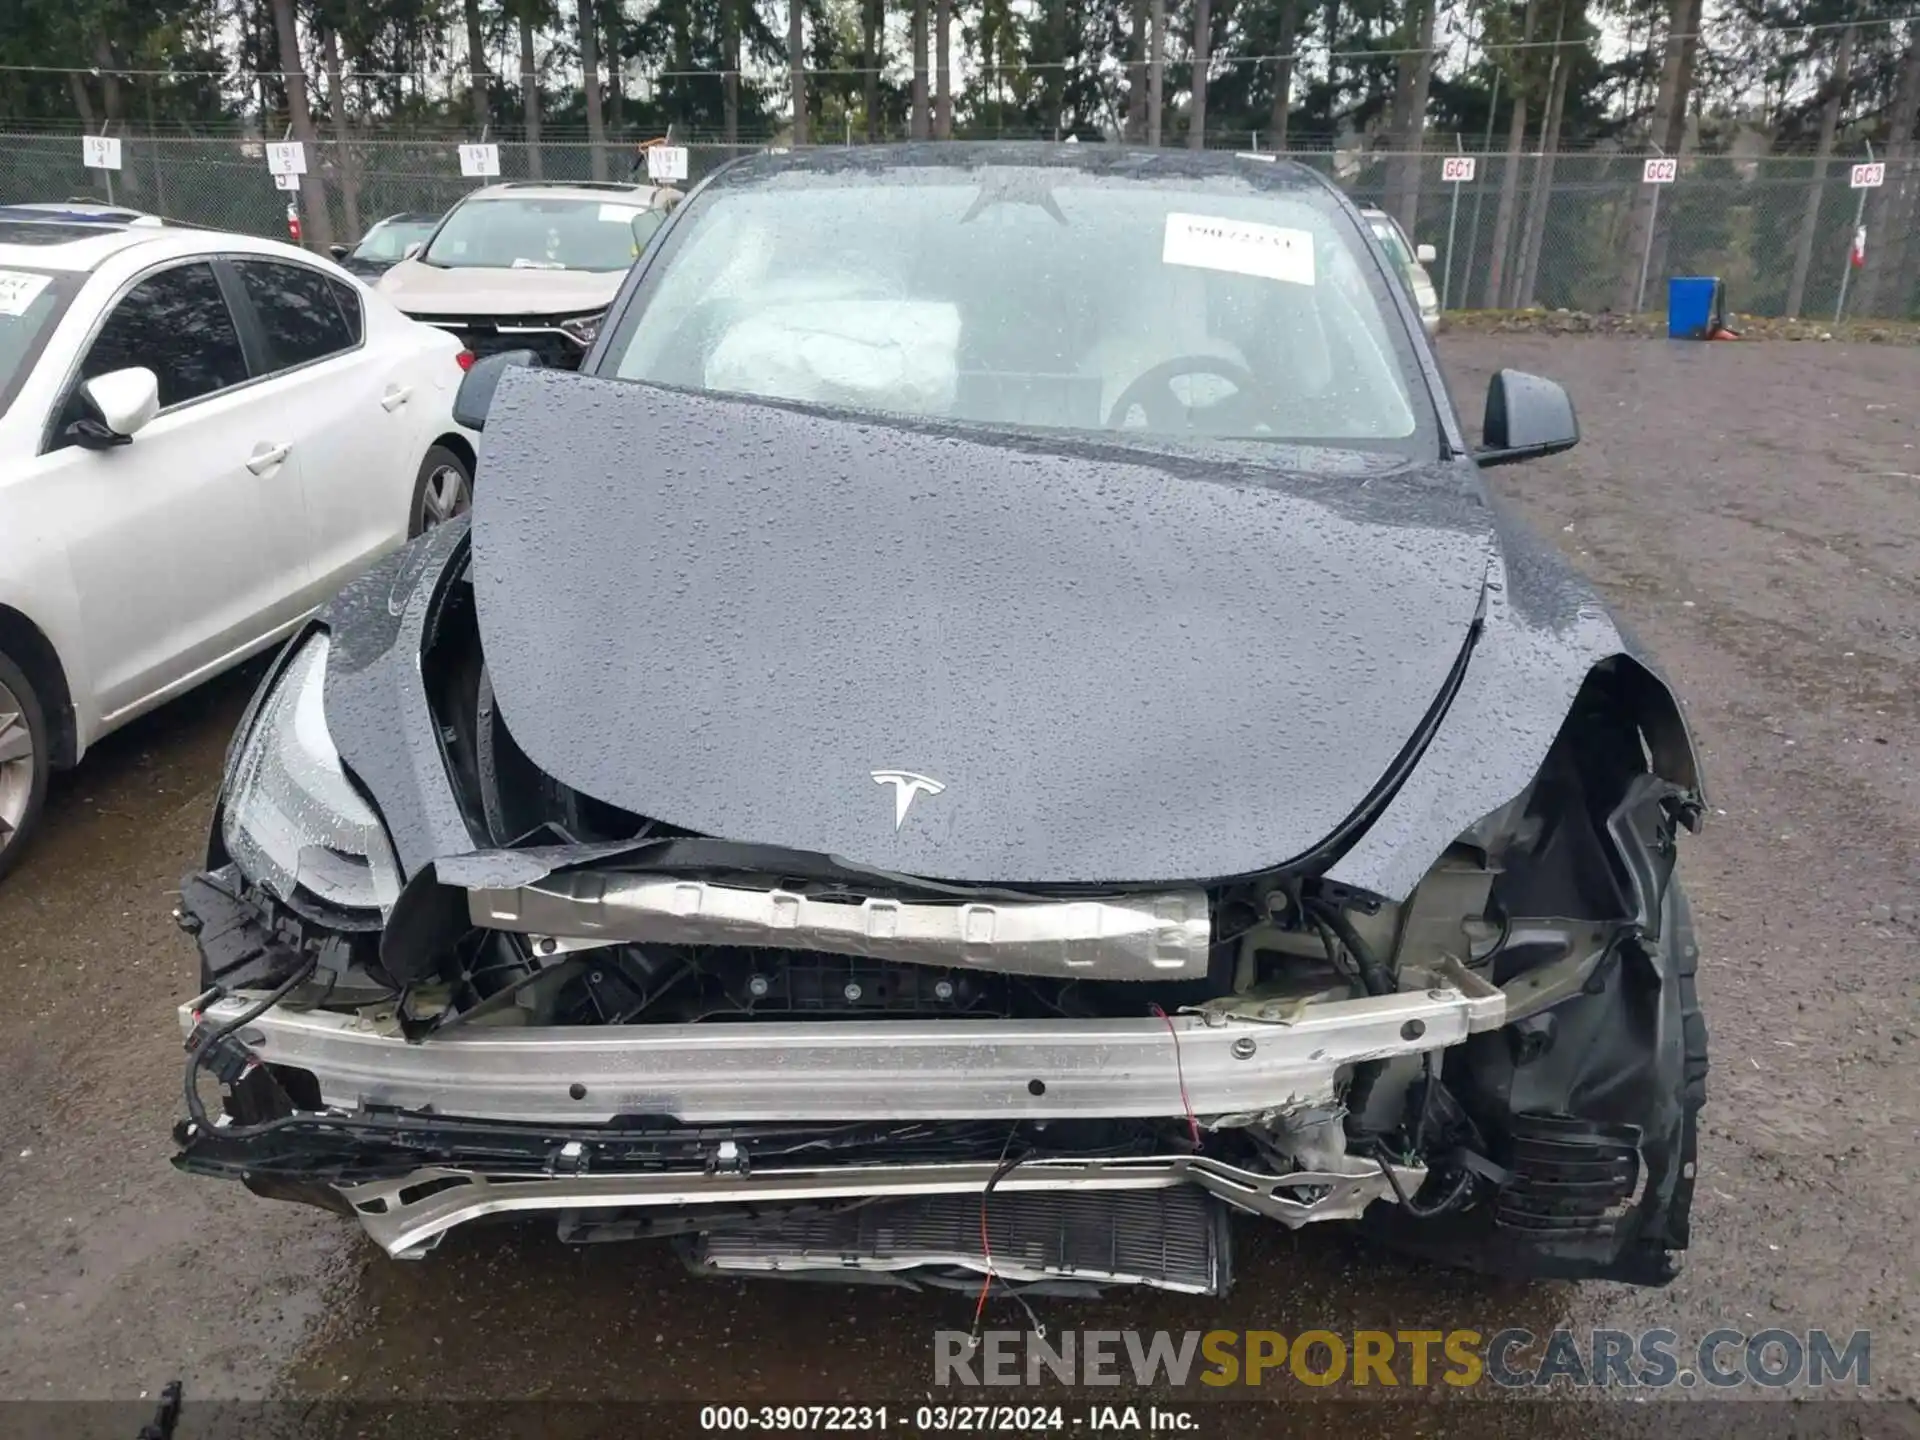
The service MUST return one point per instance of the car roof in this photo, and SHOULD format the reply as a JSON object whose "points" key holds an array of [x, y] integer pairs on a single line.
{"points": [[46, 243], [86, 245], [566, 190], [1265, 172], [70, 209]]}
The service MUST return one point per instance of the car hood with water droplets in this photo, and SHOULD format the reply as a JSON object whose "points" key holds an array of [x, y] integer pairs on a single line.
{"points": [[1116, 663]]}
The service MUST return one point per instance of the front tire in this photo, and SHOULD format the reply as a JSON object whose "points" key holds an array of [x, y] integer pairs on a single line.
{"points": [[442, 490], [26, 759]]}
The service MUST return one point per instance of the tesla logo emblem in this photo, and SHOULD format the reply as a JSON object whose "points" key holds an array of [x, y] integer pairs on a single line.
{"points": [[906, 785]]}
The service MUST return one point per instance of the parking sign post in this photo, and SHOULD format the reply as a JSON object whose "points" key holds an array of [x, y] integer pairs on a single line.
{"points": [[102, 153], [1656, 172], [1870, 176], [480, 161], [1455, 170], [667, 163]]}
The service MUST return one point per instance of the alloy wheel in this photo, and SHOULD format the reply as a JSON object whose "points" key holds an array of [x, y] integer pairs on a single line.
{"points": [[448, 493], [16, 765]]}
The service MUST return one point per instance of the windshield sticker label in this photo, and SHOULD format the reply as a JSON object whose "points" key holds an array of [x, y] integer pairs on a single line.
{"points": [[618, 214], [19, 290], [1239, 247]]}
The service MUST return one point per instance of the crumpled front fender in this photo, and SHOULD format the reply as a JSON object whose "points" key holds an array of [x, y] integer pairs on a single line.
{"points": [[1546, 630]]}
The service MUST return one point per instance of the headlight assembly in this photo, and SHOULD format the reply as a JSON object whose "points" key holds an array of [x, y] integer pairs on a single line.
{"points": [[294, 821]]}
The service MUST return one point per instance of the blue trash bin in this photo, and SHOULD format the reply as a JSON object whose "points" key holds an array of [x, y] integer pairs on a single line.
{"points": [[1695, 307]]}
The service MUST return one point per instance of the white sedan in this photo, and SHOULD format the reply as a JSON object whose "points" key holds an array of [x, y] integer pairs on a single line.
{"points": [[202, 437]]}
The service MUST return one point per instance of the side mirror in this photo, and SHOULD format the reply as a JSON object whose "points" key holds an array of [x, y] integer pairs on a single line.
{"points": [[1425, 254], [475, 396], [1527, 417], [339, 252], [412, 250], [115, 406]]}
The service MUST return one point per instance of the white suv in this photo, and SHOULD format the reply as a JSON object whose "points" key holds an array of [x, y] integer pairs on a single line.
{"points": [[529, 264], [1412, 261], [202, 436]]}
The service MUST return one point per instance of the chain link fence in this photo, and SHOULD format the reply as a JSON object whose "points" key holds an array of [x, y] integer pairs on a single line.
{"points": [[1568, 231], [1585, 229], [1581, 230], [224, 183]]}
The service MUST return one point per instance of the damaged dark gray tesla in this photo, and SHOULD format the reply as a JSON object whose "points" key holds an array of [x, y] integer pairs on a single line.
{"points": [[992, 726]]}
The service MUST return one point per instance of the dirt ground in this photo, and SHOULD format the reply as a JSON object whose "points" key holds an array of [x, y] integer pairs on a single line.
{"points": [[1753, 510]]}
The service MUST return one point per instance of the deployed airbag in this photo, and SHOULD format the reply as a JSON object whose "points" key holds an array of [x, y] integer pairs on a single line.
{"points": [[895, 354]]}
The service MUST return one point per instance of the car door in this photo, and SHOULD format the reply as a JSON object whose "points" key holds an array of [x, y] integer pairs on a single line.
{"points": [[185, 543], [352, 402]]}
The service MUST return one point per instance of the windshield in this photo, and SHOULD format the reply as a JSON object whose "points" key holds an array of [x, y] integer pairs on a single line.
{"points": [[389, 239], [1389, 235], [523, 233], [30, 304], [1029, 297]]}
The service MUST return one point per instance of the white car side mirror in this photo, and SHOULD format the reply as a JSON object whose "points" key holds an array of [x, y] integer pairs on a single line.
{"points": [[1425, 254], [123, 400], [412, 250]]}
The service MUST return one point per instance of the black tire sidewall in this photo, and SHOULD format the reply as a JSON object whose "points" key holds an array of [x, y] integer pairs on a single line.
{"points": [[436, 456], [16, 681]]}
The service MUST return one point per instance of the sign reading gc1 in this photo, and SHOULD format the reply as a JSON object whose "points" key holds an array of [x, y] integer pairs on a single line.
{"points": [[1455, 170]]}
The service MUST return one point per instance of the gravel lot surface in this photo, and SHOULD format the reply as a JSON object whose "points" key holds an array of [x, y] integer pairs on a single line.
{"points": [[1752, 509]]}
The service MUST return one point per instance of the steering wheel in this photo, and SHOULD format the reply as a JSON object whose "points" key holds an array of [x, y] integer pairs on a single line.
{"points": [[1153, 393]]}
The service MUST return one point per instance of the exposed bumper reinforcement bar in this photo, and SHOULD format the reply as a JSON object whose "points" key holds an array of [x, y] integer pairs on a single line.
{"points": [[1127, 937], [861, 1070], [408, 1215]]}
